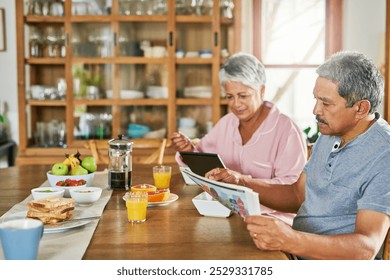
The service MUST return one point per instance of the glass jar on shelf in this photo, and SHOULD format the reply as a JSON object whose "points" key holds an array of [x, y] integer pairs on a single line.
{"points": [[35, 42], [52, 39], [34, 8], [226, 8]]}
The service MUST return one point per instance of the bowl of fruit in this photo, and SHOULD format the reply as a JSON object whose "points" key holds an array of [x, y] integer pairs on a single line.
{"points": [[73, 172]]}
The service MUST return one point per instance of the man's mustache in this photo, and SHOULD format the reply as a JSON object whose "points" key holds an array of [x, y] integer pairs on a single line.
{"points": [[321, 120]]}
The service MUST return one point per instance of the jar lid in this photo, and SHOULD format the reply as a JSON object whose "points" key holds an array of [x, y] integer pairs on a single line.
{"points": [[121, 143]]}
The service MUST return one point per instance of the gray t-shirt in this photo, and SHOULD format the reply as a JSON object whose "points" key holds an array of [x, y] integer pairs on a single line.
{"points": [[341, 181]]}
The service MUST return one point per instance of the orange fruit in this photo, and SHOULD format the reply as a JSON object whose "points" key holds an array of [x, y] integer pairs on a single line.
{"points": [[143, 188], [158, 195]]}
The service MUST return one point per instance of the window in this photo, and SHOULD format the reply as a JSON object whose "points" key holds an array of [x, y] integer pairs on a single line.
{"points": [[292, 38]]}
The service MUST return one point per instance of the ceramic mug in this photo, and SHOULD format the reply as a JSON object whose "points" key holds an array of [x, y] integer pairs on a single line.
{"points": [[20, 238]]}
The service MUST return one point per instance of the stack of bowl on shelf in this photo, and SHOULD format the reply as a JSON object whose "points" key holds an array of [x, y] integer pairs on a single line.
{"points": [[188, 127], [137, 130]]}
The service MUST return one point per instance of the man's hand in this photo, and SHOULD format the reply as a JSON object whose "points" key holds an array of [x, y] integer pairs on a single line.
{"points": [[269, 233]]}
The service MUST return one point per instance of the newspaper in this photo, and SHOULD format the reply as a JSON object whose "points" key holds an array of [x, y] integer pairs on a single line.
{"points": [[241, 200]]}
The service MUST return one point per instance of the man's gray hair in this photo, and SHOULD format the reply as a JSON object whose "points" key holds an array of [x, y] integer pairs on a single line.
{"points": [[243, 68], [357, 77]]}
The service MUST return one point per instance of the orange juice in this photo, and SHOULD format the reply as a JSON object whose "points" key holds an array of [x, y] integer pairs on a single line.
{"points": [[162, 180], [136, 209]]}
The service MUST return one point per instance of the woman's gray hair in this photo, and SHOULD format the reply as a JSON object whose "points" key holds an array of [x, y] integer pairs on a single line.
{"points": [[357, 77], [243, 68]]}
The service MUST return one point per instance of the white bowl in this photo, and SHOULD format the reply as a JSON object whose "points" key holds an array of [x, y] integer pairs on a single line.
{"points": [[187, 122], [53, 179], [67, 189], [45, 192], [157, 92], [131, 94], [206, 206], [85, 195]]}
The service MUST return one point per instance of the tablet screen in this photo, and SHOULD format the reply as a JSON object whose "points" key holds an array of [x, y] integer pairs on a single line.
{"points": [[201, 163]]}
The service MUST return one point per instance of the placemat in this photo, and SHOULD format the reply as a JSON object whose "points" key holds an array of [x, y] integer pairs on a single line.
{"points": [[69, 243]]}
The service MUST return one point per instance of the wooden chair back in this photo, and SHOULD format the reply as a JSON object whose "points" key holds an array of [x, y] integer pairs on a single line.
{"points": [[99, 151], [145, 151], [158, 155], [386, 248]]}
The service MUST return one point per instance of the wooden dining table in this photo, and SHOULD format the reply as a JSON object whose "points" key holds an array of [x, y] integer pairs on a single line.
{"points": [[171, 232]]}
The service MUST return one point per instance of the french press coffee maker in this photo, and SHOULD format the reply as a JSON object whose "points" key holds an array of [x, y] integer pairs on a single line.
{"points": [[120, 165]]}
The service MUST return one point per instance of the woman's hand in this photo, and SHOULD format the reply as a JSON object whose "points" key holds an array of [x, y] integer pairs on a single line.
{"points": [[224, 175], [181, 143]]}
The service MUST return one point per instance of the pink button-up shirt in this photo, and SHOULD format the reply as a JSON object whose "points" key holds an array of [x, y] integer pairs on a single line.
{"points": [[276, 153]]}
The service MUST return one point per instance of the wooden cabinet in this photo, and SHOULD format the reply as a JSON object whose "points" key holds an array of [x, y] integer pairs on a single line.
{"points": [[96, 69]]}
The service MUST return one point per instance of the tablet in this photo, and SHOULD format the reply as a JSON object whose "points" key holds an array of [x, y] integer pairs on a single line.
{"points": [[201, 163]]}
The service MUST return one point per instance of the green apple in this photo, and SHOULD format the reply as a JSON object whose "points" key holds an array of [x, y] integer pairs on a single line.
{"points": [[78, 170], [89, 163], [59, 169]]}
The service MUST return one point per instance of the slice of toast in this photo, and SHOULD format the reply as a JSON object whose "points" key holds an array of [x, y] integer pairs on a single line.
{"points": [[51, 210], [52, 202], [50, 220], [35, 214], [57, 210]]}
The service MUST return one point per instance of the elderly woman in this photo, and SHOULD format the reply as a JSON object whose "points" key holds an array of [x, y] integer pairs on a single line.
{"points": [[255, 139]]}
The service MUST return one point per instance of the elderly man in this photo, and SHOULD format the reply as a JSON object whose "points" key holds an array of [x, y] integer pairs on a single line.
{"points": [[342, 197]]}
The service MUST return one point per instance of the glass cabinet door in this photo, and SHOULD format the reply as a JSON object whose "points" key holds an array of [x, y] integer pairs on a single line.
{"points": [[142, 7], [92, 40], [143, 39], [143, 81], [194, 121], [143, 121], [92, 81], [92, 122], [91, 7]]}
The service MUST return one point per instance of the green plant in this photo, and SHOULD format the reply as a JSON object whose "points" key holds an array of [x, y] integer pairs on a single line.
{"points": [[311, 137], [84, 79]]}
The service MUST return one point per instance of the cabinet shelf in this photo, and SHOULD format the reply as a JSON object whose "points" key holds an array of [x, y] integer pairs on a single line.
{"points": [[50, 103], [194, 60], [118, 18], [227, 21], [194, 19], [141, 60], [134, 18], [145, 102], [95, 102], [44, 19], [194, 101], [44, 60], [118, 60], [92, 18], [120, 102]]}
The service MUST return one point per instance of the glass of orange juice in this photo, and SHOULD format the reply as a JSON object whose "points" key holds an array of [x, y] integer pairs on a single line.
{"points": [[136, 204], [162, 176]]}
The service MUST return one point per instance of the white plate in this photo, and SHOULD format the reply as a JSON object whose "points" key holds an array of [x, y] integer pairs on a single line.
{"points": [[60, 227], [172, 197]]}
